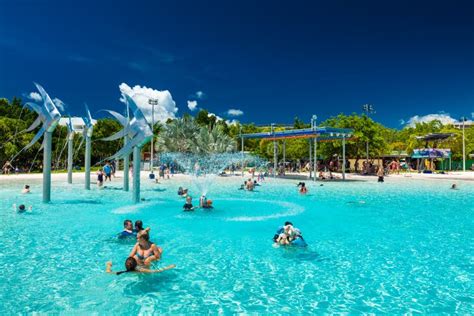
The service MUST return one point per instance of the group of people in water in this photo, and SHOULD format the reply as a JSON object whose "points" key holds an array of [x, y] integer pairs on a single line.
{"points": [[249, 185], [188, 206], [143, 253]]}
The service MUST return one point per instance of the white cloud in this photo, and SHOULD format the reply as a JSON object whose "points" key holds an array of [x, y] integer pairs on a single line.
{"points": [[444, 118], [235, 112], [35, 96], [192, 105], [165, 109], [200, 94], [218, 118], [232, 122], [59, 104]]}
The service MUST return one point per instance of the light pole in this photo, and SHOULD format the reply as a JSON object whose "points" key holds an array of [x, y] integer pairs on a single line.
{"points": [[242, 150], [313, 127], [152, 102], [368, 109], [275, 158], [463, 145]]}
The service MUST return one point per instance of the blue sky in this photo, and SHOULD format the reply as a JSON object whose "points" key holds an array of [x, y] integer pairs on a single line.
{"points": [[272, 60]]}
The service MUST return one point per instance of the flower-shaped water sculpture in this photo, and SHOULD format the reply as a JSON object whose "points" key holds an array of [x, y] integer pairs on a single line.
{"points": [[48, 115], [137, 130]]}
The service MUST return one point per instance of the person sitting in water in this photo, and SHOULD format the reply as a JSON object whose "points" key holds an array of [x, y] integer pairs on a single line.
{"points": [[180, 191], [131, 265], [208, 204], [321, 175], [127, 229], [22, 208], [242, 187], [454, 187], [144, 251], [287, 236], [26, 189], [255, 184], [188, 206], [250, 185], [202, 201], [303, 189], [138, 226]]}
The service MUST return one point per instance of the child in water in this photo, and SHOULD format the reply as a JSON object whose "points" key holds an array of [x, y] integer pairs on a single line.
{"points": [[189, 204], [303, 189], [131, 265], [22, 208]]}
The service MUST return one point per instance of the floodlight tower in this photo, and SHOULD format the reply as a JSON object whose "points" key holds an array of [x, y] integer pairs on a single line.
{"points": [[313, 127], [152, 102], [368, 109]]}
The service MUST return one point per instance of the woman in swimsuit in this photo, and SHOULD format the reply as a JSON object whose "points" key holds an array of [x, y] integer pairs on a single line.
{"points": [[131, 266], [144, 251]]}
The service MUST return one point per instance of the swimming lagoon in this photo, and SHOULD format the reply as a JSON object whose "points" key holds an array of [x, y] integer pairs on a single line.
{"points": [[398, 247]]}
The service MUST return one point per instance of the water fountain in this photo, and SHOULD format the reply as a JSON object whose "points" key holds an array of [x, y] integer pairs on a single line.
{"points": [[204, 168]]}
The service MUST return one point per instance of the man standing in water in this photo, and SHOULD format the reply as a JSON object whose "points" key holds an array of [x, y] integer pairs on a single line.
{"points": [[380, 174]]}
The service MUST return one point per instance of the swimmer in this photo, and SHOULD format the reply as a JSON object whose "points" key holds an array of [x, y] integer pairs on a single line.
{"points": [[202, 201], [454, 187], [22, 208], [188, 206], [250, 185], [303, 189], [255, 183], [138, 226], [242, 187], [132, 266], [26, 189], [144, 251], [180, 191], [127, 229], [288, 235], [208, 204]]}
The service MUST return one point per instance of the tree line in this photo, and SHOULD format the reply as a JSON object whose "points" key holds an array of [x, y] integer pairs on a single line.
{"points": [[214, 133]]}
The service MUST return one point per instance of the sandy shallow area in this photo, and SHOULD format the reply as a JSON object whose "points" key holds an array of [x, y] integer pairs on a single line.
{"points": [[79, 176]]}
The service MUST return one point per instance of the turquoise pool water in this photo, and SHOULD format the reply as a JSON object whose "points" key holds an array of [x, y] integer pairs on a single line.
{"points": [[408, 247]]}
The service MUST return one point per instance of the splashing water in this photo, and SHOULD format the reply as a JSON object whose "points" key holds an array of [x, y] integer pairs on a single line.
{"points": [[204, 168]]}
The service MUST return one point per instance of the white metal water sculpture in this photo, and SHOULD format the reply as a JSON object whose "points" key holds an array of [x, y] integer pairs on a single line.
{"points": [[139, 134], [48, 116], [124, 121], [87, 133], [70, 149]]}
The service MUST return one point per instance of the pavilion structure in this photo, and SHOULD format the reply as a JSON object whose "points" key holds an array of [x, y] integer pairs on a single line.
{"points": [[314, 135], [429, 153]]}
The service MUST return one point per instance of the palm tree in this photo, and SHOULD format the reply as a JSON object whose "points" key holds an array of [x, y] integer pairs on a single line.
{"points": [[185, 136], [178, 136], [213, 141]]}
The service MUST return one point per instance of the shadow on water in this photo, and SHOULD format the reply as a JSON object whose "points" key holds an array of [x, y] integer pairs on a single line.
{"points": [[97, 202], [142, 283], [154, 190], [303, 254], [113, 188]]}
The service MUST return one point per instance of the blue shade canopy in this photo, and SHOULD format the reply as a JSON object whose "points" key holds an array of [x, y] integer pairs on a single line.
{"points": [[431, 153], [326, 133]]}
